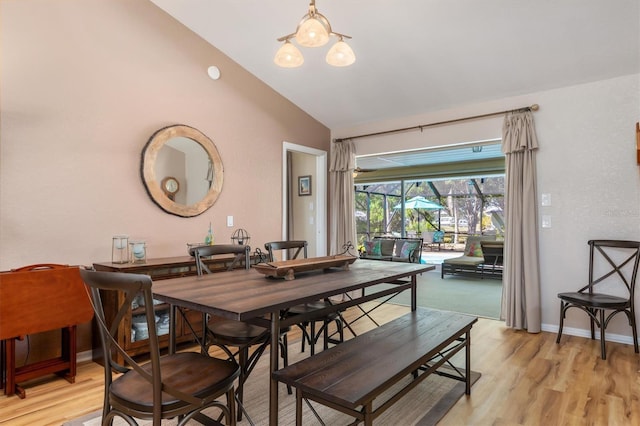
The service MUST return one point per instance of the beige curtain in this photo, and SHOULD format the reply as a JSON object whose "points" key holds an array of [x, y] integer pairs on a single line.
{"points": [[521, 278], [342, 195]]}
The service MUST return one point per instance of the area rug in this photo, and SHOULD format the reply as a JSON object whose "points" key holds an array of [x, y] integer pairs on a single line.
{"points": [[425, 405]]}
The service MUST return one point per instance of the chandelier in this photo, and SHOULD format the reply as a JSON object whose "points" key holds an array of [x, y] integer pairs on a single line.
{"points": [[314, 31]]}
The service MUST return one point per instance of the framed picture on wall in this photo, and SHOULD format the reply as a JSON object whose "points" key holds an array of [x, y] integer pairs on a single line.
{"points": [[304, 185]]}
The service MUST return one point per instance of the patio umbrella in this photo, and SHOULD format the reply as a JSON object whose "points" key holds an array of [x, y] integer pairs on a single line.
{"points": [[419, 203]]}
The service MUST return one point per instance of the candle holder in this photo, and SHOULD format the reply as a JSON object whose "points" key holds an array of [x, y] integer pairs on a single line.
{"points": [[241, 237], [138, 250], [120, 249]]}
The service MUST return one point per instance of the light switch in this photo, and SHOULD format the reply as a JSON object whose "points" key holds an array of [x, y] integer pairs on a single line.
{"points": [[229, 221], [546, 221], [546, 200]]}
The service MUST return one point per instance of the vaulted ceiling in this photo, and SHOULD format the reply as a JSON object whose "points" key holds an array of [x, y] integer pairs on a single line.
{"points": [[416, 56]]}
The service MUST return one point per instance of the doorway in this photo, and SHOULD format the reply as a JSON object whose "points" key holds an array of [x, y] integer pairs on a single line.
{"points": [[304, 213], [467, 183]]}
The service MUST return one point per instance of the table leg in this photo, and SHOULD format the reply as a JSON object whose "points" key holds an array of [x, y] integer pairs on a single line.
{"points": [[414, 296], [10, 365], [69, 351], [273, 364], [467, 362], [2, 366]]}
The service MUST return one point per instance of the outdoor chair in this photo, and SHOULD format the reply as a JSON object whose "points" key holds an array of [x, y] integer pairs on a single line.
{"points": [[228, 333], [179, 385], [472, 260], [433, 239], [294, 249], [611, 263]]}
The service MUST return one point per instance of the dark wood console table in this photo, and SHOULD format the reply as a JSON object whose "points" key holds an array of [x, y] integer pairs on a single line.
{"points": [[167, 267], [35, 299], [157, 269]]}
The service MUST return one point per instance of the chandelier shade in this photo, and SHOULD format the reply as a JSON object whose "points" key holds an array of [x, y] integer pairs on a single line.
{"points": [[340, 55], [314, 30], [288, 56]]}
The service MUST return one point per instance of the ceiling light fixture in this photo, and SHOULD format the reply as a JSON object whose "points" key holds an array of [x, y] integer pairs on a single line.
{"points": [[314, 30]]}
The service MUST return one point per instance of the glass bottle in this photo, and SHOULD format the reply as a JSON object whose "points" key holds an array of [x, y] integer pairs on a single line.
{"points": [[208, 240]]}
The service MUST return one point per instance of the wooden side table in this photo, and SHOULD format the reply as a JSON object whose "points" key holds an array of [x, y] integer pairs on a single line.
{"points": [[35, 299]]}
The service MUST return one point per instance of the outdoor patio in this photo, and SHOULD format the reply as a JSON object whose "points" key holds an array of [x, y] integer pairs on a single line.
{"points": [[436, 257]]}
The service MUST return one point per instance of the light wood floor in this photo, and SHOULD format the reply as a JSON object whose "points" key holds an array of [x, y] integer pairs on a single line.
{"points": [[526, 380]]}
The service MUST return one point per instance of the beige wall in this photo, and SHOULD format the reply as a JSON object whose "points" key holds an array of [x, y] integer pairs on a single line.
{"points": [[586, 161], [304, 227], [83, 85]]}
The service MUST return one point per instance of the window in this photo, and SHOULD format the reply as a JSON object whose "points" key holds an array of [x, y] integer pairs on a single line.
{"points": [[468, 206]]}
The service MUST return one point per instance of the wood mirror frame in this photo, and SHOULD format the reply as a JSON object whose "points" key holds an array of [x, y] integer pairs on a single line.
{"points": [[152, 182]]}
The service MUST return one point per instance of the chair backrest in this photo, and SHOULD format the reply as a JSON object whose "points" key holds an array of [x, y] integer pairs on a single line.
{"points": [[129, 286], [492, 251], [473, 245], [613, 259], [438, 237], [410, 248], [300, 247], [241, 252]]}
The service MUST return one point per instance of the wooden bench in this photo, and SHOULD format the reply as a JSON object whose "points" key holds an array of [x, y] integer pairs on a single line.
{"points": [[348, 377]]}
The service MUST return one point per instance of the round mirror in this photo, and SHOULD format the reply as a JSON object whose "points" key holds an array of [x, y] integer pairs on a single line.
{"points": [[182, 170]]}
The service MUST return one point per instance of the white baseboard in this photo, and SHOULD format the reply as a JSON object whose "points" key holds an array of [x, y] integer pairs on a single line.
{"points": [[551, 328], [581, 332]]}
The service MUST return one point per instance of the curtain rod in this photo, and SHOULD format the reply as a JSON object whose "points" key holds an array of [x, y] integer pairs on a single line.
{"points": [[533, 107]]}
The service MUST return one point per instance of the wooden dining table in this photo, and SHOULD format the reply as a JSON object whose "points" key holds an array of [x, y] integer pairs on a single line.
{"points": [[247, 295]]}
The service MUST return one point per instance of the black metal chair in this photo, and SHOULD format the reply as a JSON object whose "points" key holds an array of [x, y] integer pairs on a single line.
{"points": [[226, 333], [294, 249], [179, 385], [611, 262], [241, 252]]}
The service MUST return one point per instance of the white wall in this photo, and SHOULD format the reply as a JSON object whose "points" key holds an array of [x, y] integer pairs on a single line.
{"points": [[586, 161]]}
